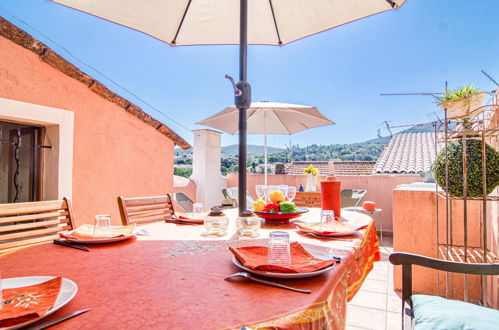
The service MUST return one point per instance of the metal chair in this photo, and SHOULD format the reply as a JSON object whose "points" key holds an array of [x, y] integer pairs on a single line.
{"points": [[25, 224], [184, 201], [231, 194], [352, 197], [406, 260]]}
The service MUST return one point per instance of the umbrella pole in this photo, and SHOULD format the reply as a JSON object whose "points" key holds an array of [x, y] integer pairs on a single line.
{"points": [[265, 156], [243, 101]]}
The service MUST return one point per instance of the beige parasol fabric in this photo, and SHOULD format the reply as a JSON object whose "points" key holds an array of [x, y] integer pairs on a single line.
{"points": [[208, 22], [269, 118]]}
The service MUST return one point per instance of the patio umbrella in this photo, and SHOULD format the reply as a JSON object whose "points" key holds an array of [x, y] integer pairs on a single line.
{"points": [[243, 22], [269, 118]]}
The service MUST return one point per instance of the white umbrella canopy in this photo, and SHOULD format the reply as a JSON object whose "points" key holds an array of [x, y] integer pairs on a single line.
{"points": [[209, 22], [243, 22], [269, 118]]}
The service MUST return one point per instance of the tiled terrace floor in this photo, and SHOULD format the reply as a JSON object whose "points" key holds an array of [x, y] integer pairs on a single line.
{"points": [[376, 305]]}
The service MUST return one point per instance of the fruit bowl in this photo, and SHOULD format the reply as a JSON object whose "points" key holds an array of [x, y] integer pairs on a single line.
{"points": [[281, 217]]}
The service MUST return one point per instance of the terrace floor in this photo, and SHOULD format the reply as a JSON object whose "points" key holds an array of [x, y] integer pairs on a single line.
{"points": [[376, 305]]}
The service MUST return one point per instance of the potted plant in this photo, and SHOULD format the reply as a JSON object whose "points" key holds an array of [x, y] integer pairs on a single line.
{"points": [[454, 185], [462, 102], [312, 172]]}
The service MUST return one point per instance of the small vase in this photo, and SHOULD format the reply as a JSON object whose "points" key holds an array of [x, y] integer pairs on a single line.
{"points": [[310, 187]]}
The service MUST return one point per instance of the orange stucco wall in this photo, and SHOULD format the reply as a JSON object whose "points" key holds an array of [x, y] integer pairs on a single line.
{"points": [[115, 153]]}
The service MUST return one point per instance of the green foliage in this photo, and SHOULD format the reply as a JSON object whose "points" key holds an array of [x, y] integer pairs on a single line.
{"points": [[474, 168], [185, 172], [459, 93]]}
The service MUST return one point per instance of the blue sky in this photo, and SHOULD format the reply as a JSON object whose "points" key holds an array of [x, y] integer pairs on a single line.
{"points": [[342, 71]]}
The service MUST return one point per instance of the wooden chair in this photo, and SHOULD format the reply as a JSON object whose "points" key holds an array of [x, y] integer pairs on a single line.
{"points": [[24, 224], [308, 199], [406, 260], [145, 209]]}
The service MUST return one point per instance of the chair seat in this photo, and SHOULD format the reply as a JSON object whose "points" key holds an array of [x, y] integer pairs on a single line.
{"points": [[434, 312]]}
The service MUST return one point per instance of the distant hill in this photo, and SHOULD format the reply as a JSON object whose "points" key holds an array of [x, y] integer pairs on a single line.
{"points": [[363, 151], [253, 150]]}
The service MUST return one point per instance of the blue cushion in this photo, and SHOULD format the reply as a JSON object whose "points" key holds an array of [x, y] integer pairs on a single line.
{"points": [[433, 312]]}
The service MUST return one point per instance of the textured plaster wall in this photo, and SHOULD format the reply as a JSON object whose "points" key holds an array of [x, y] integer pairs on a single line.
{"points": [[114, 152]]}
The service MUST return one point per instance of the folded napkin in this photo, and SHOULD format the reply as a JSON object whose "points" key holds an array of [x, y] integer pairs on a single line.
{"points": [[328, 228], [26, 303], [255, 258], [186, 220], [86, 232]]}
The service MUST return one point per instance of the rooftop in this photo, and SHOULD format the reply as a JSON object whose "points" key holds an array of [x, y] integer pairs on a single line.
{"points": [[407, 153]]}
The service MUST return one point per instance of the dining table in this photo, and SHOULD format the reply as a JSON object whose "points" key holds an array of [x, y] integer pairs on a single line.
{"points": [[172, 277]]}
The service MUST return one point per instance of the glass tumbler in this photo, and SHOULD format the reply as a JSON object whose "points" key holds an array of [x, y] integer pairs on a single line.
{"points": [[197, 211], [102, 225], [248, 224], [279, 250], [327, 216]]}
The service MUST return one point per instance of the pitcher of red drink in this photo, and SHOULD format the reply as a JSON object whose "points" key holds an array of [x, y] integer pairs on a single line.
{"points": [[331, 196]]}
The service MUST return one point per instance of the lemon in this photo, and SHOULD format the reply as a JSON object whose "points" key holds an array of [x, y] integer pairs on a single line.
{"points": [[258, 205]]}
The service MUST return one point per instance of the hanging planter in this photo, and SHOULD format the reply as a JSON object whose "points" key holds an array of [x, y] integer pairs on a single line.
{"points": [[464, 103]]}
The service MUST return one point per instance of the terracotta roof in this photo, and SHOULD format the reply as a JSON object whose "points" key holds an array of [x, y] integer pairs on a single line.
{"points": [[353, 168], [407, 153], [298, 167], [338, 167], [47, 55]]}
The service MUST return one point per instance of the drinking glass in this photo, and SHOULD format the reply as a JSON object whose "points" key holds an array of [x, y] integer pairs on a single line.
{"points": [[102, 225], [284, 189], [291, 193], [279, 250], [198, 211], [269, 190], [327, 216], [260, 191]]}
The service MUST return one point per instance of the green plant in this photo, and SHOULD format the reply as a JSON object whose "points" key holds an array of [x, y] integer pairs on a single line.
{"points": [[474, 168], [459, 92], [185, 172]]}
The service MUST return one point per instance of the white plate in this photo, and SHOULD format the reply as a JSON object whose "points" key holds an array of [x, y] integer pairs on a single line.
{"points": [[282, 275], [104, 240], [67, 292]]}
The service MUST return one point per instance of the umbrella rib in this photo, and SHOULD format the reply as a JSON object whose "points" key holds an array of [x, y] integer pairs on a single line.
{"points": [[275, 23], [174, 41], [275, 112]]}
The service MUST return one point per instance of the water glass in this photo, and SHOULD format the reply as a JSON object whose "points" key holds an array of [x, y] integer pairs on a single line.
{"points": [[102, 225], [284, 189], [197, 210], [260, 191], [291, 193], [279, 250], [327, 216], [269, 190]]}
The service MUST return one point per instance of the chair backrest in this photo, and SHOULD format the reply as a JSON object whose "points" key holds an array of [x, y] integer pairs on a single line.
{"points": [[184, 201], [233, 196], [145, 209], [308, 199], [352, 197], [24, 224]]}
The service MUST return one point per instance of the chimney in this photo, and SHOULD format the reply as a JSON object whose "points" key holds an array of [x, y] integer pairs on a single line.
{"points": [[206, 161]]}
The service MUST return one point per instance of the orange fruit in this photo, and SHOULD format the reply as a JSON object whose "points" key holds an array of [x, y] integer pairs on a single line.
{"points": [[277, 197]]}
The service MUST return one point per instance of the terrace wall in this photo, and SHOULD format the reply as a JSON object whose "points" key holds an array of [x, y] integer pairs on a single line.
{"points": [[115, 153], [379, 187]]}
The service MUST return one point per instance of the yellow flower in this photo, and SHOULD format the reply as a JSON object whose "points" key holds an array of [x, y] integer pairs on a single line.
{"points": [[310, 169]]}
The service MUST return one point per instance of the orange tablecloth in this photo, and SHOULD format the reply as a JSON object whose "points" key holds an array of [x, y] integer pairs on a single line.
{"points": [[162, 282]]}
